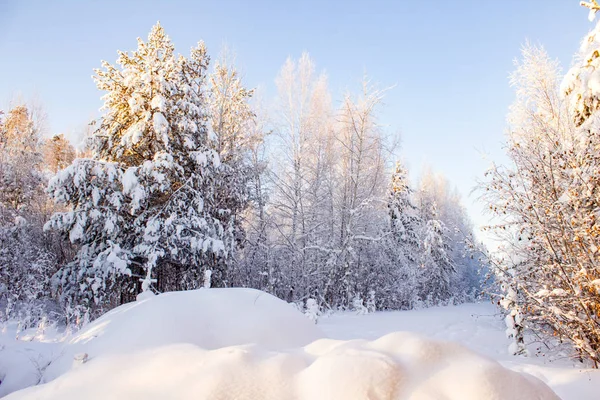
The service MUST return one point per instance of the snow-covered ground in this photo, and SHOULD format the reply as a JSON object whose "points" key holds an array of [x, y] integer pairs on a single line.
{"points": [[477, 326], [246, 344]]}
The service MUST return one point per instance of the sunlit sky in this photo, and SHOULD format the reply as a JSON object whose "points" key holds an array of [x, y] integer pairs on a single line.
{"points": [[449, 60]]}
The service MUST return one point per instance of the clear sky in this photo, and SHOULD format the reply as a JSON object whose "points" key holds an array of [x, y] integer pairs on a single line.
{"points": [[448, 59]]}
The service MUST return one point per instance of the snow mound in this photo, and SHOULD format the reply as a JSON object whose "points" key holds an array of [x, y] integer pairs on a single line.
{"points": [[207, 318], [396, 366]]}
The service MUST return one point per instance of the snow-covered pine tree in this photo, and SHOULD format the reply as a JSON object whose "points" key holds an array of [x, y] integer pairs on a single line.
{"points": [[403, 238], [462, 250], [404, 216], [437, 266], [144, 208]]}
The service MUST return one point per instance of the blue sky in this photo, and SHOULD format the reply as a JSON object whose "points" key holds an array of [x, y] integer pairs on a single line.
{"points": [[448, 59]]}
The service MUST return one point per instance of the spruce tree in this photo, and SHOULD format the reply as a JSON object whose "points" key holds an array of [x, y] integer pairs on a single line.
{"points": [[404, 217], [403, 239], [437, 266]]}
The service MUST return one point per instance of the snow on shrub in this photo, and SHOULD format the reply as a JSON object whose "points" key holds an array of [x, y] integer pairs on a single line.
{"points": [[312, 310]]}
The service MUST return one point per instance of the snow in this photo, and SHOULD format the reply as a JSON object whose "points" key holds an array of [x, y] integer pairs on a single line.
{"points": [[246, 344], [478, 327], [593, 10], [132, 187], [130, 181], [161, 126], [209, 319], [22, 361], [207, 278], [159, 103], [312, 310], [400, 365], [134, 134]]}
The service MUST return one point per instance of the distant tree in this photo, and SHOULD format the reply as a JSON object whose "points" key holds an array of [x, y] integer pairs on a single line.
{"points": [[232, 124], [404, 215], [403, 239], [256, 267], [59, 153], [21, 183], [28, 257], [437, 266], [362, 182], [301, 177]]}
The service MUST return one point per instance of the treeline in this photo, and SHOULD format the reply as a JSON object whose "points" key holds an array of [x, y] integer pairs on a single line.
{"points": [[187, 183]]}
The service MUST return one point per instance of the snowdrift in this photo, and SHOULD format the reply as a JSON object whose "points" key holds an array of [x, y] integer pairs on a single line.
{"points": [[396, 366], [246, 344], [209, 319]]}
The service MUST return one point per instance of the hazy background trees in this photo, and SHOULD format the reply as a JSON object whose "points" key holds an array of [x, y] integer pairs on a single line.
{"points": [[28, 255], [340, 228]]}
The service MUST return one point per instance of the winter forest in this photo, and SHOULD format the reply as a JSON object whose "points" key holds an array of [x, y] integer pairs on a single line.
{"points": [[189, 179], [188, 182]]}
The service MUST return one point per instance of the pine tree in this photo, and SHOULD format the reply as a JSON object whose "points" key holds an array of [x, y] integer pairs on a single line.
{"points": [[437, 266], [145, 209], [404, 217], [402, 239]]}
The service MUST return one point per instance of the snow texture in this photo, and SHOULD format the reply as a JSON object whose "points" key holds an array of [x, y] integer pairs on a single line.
{"points": [[398, 365], [210, 319], [479, 327], [246, 344]]}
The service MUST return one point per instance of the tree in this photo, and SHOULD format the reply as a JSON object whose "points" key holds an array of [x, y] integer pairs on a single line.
{"points": [[256, 267], [546, 202], [403, 238], [463, 251], [437, 266], [360, 171], [21, 184], [145, 209], [231, 123], [404, 217], [59, 153], [301, 178]]}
